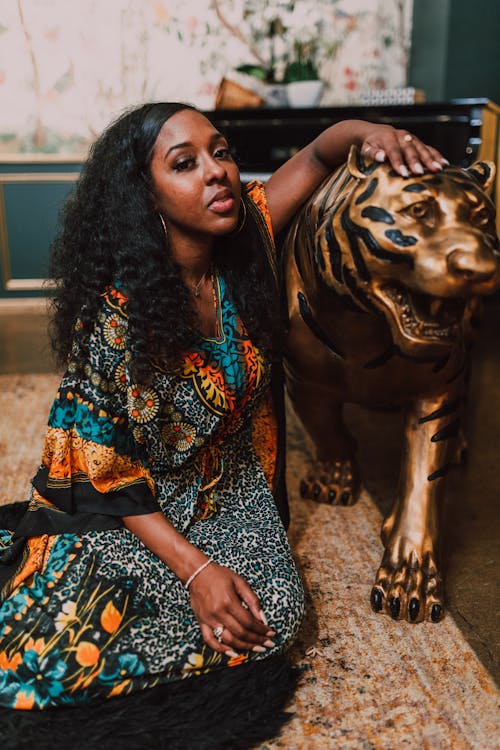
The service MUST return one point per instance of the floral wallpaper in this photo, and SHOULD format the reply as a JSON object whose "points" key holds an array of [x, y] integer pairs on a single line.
{"points": [[67, 67]]}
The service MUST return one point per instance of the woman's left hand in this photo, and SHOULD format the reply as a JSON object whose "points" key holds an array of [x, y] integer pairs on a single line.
{"points": [[405, 152]]}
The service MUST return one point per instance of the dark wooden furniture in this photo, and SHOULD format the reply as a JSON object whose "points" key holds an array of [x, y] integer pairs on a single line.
{"points": [[462, 130]]}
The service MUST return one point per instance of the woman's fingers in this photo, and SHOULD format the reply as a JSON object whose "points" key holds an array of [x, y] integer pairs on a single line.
{"points": [[229, 613], [210, 639], [430, 156], [230, 637], [248, 630], [250, 599], [373, 151], [244, 640], [404, 151]]}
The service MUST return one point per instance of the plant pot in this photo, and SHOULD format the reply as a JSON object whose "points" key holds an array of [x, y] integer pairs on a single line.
{"points": [[304, 93], [275, 94]]}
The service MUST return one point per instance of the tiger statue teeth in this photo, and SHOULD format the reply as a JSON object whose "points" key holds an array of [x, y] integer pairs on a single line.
{"points": [[384, 277]]}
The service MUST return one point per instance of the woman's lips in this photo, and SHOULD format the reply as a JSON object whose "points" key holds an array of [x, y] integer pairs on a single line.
{"points": [[222, 202]]}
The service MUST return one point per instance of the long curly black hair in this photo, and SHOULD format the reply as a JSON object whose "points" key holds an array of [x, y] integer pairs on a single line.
{"points": [[111, 232]]}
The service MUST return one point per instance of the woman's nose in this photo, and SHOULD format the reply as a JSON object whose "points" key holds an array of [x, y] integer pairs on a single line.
{"points": [[214, 169]]}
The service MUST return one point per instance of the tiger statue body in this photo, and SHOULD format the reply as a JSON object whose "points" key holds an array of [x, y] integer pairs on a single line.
{"points": [[383, 275]]}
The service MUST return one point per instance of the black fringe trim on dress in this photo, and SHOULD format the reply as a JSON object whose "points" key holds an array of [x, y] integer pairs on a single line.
{"points": [[234, 708]]}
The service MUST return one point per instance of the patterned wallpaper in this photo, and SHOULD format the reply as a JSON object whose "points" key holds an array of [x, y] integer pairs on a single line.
{"points": [[67, 67]]}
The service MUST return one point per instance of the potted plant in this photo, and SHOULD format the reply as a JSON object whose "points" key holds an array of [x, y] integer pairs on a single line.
{"points": [[304, 32], [287, 41]]}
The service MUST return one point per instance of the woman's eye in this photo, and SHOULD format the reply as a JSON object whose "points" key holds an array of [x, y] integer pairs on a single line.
{"points": [[223, 153], [183, 164]]}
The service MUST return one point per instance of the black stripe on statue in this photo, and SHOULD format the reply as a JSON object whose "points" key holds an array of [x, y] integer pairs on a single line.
{"points": [[358, 293], [435, 180], [334, 251], [382, 358], [373, 246], [397, 237], [415, 187], [368, 192], [440, 472], [361, 164], [447, 408], [441, 363], [458, 373], [313, 326], [352, 231], [449, 431], [375, 213]]}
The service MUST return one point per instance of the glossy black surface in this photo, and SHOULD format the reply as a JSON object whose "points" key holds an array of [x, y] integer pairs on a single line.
{"points": [[264, 138]]}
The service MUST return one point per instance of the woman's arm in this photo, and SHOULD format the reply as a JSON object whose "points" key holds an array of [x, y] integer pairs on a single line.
{"points": [[216, 592], [294, 182]]}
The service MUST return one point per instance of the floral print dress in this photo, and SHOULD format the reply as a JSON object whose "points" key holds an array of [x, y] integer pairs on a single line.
{"points": [[87, 610]]}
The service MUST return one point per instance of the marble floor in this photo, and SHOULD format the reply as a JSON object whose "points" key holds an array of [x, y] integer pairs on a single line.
{"points": [[472, 541]]}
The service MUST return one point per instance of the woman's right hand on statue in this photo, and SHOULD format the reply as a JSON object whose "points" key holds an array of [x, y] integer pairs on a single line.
{"points": [[223, 602]]}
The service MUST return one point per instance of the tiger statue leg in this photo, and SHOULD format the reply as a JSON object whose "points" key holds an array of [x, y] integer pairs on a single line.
{"points": [[334, 476], [408, 583]]}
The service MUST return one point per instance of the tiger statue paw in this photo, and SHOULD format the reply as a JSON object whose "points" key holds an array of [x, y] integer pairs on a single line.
{"points": [[383, 276], [334, 483], [409, 590]]}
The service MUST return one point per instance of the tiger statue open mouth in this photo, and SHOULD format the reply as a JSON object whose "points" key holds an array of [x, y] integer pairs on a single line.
{"points": [[383, 275]]}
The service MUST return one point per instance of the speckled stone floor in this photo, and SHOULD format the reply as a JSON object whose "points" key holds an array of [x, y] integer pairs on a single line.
{"points": [[368, 682]]}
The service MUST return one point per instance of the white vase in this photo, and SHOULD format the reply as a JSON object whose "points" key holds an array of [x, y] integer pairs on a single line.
{"points": [[275, 95], [304, 93]]}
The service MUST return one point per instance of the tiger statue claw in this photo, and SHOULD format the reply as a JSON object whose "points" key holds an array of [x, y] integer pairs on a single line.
{"points": [[334, 483], [383, 277], [408, 593]]}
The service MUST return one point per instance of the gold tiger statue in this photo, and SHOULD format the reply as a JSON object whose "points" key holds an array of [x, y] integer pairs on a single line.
{"points": [[383, 275]]}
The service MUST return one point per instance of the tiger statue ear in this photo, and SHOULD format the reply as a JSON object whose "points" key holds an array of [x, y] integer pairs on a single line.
{"points": [[483, 172], [359, 166]]}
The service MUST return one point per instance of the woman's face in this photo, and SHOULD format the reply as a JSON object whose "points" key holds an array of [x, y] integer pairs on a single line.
{"points": [[196, 183]]}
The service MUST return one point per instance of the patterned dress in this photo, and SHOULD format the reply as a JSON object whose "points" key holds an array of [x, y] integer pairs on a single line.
{"points": [[87, 610]]}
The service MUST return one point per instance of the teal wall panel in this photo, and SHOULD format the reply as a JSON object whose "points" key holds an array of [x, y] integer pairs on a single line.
{"points": [[32, 194], [428, 57], [454, 52], [473, 50], [31, 211]]}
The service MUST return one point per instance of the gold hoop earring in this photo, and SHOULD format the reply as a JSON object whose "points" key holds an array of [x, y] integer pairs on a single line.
{"points": [[243, 220], [163, 225]]}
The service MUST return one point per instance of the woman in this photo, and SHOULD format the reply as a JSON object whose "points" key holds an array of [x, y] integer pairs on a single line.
{"points": [[152, 548]]}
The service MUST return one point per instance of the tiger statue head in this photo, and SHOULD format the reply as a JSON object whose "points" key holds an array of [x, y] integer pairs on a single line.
{"points": [[417, 250]]}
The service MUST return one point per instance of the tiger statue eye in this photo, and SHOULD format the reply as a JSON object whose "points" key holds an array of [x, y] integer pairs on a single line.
{"points": [[384, 277]]}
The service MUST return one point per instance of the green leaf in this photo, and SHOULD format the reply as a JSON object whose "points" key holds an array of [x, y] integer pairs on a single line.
{"points": [[257, 71], [301, 71]]}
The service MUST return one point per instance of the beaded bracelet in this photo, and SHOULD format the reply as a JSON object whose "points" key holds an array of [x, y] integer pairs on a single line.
{"points": [[193, 575]]}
